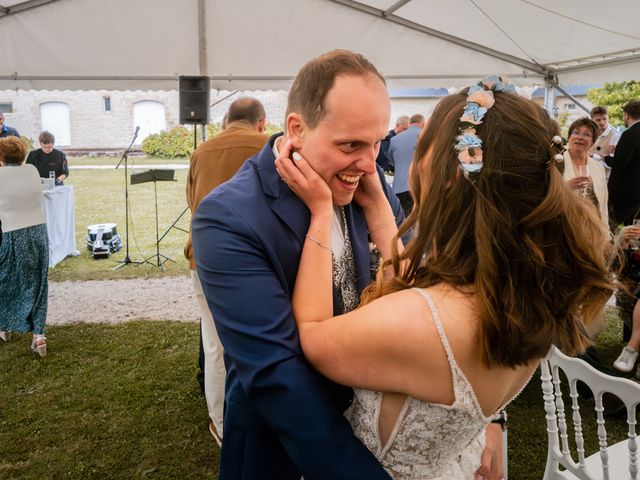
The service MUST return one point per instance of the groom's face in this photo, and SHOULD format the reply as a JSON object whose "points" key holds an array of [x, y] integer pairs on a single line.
{"points": [[344, 144]]}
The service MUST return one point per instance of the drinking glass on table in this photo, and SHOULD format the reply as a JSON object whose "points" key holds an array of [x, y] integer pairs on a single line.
{"points": [[582, 171]]}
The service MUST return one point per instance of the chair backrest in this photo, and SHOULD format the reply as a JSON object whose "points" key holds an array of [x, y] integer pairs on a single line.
{"points": [[599, 383]]}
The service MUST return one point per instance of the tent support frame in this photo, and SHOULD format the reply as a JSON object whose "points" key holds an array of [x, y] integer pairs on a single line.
{"points": [[202, 38], [21, 7], [526, 64]]}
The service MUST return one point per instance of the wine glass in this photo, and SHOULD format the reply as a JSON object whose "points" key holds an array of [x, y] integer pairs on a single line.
{"points": [[582, 170]]}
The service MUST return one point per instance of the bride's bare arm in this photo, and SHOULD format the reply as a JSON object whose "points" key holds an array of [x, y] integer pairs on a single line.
{"points": [[374, 347]]}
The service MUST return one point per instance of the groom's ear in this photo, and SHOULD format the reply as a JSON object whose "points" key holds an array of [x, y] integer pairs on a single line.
{"points": [[296, 129]]}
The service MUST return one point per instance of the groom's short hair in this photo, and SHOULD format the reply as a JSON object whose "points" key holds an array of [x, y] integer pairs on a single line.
{"points": [[316, 78]]}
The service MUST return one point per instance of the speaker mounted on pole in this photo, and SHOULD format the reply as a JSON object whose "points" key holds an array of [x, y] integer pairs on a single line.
{"points": [[194, 100]]}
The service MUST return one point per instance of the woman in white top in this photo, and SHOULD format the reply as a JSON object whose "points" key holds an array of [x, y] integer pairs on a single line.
{"points": [[24, 247], [457, 322], [583, 173]]}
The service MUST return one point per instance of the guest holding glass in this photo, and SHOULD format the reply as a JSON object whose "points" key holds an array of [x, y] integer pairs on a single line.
{"points": [[24, 250], [629, 299], [583, 173]]}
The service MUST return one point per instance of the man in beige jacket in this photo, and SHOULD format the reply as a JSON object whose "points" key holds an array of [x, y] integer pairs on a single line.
{"points": [[214, 162]]}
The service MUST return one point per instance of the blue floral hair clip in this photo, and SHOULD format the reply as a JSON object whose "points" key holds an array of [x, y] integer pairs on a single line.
{"points": [[479, 101]]}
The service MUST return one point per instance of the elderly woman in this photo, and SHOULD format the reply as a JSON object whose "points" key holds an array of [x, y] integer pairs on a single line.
{"points": [[24, 251], [582, 172]]}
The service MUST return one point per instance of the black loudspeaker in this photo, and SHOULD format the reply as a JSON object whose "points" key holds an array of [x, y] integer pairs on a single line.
{"points": [[194, 100]]}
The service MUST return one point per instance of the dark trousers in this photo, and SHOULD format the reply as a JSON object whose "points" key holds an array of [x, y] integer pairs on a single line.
{"points": [[200, 374], [406, 202]]}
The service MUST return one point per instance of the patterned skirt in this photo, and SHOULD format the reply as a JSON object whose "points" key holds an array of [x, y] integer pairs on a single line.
{"points": [[24, 269]]}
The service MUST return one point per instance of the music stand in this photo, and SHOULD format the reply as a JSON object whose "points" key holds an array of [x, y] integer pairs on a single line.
{"points": [[155, 176]]}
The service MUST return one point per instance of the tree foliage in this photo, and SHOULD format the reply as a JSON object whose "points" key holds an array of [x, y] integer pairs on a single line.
{"points": [[614, 96], [178, 141]]}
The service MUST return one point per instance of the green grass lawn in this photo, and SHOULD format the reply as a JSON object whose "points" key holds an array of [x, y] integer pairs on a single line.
{"points": [[100, 198], [108, 402], [123, 402]]}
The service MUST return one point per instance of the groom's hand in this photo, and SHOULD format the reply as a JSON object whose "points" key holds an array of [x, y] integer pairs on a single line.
{"points": [[491, 460]]}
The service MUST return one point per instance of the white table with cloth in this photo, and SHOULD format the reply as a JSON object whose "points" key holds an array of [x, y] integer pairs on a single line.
{"points": [[61, 228]]}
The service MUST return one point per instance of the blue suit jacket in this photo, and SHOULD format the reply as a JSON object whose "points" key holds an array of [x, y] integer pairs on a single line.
{"points": [[282, 418], [401, 150], [383, 154]]}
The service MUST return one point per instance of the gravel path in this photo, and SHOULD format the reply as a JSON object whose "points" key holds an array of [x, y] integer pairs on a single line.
{"points": [[116, 301]]}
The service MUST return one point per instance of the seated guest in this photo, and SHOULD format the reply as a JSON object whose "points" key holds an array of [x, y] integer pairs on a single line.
{"points": [[629, 300], [48, 159], [24, 250]]}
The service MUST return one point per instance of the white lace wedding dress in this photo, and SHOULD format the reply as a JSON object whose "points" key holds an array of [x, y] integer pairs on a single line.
{"points": [[429, 441]]}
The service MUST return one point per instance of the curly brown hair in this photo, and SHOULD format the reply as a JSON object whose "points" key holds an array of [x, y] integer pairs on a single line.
{"points": [[532, 253], [13, 150]]}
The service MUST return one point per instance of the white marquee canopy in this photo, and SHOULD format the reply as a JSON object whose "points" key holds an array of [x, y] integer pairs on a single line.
{"points": [[260, 44]]}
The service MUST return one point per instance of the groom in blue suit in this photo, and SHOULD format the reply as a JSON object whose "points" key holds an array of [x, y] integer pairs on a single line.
{"points": [[283, 420]]}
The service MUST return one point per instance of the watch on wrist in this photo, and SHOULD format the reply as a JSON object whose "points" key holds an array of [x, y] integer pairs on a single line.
{"points": [[501, 420]]}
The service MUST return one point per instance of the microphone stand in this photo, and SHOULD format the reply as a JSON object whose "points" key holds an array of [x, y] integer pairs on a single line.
{"points": [[127, 260]]}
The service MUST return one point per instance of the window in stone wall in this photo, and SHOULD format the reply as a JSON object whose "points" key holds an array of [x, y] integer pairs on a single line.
{"points": [[54, 117], [6, 107], [107, 104]]}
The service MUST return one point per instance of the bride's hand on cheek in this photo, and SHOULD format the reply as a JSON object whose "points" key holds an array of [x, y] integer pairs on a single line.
{"points": [[296, 172], [369, 192]]}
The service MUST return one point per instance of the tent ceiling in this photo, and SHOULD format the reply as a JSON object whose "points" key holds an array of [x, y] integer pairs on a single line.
{"points": [[260, 44]]}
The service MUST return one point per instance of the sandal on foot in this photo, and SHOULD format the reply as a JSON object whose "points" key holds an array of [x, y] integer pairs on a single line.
{"points": [[39, 344]]}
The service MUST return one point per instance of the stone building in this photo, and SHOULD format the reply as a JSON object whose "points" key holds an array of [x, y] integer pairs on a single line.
{"points": [[104, 121]]}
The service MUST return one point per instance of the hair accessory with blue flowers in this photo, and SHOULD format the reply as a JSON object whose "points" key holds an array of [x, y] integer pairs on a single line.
{"points": [[479, 101]]}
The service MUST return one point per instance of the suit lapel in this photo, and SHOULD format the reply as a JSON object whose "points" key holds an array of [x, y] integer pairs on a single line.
{"points": [[286, 205]]}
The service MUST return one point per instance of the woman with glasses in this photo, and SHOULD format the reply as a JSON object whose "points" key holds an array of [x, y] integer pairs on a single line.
{"points": [[583, 173]]}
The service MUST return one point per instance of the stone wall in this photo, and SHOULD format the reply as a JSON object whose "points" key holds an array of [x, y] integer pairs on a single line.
{"points": [[93, 128]]}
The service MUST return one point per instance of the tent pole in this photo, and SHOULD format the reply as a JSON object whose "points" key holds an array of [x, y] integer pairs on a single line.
{"points": [[21, 7], [585, 63], [202, 38], [526, 64], [549, 97], [569, 96]]}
